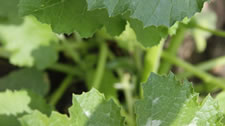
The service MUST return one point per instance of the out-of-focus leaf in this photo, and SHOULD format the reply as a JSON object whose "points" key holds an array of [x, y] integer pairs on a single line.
{"points": [[39, 103], [9, 12], [14, 103], [44, 56], [207, 18], [31, 79], [107, 85], [9, 120], [21, 40]]}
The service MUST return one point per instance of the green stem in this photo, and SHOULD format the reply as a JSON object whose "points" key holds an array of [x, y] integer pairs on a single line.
{"points": [[137, 59], [68, 49], [151, 60], [213, 31], [129, 97], [101, 65], [174, 44], [209, 79], [205, 66], [55, 97], [65, 68]]}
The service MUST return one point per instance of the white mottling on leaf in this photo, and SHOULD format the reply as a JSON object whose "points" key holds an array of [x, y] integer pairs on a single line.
{"points": [[151, 122], [155, 100]]}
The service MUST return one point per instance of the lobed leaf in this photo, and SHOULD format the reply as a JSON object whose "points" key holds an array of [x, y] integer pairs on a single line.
{"points": [[88, 109], [147, 17], [13, 103], [168, 102]]}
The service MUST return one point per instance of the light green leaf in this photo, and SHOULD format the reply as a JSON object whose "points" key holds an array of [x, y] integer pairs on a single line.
{"points": [[168, 102], [21, 40], [9, 12], [88, 109], [13, 103], [221, 100], [31, 79], [34, 119]]}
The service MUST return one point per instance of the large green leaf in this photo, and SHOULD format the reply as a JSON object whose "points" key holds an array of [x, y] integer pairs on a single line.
{"points": [[21, 40], [88, 109], [147, 17], [9, 12], [31, 79], [65, 16], [168, 102], [150, 12]]}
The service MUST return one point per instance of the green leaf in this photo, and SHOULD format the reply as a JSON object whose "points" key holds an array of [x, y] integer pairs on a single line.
{"points": [[14, 103], [44, 56], [164, 12], [150, 19], [21, 40], [150, 12], [221, 100], [88, 109], [148, 36], [66, 16], [31, 79], [9, 120], [39, 103], [34, 119], [168, 102], [9, 12], [94, 110]]}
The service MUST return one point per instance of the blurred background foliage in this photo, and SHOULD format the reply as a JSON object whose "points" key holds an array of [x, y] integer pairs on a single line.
{"points": [[54, 66]]}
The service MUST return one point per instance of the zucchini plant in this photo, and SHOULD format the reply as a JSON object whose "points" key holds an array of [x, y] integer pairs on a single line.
{"points": [[114, 51]]}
